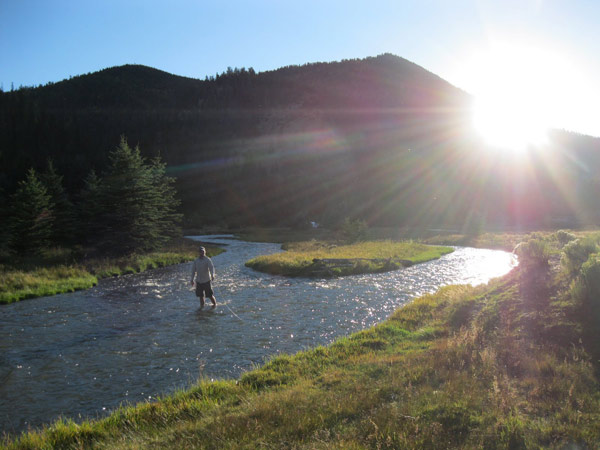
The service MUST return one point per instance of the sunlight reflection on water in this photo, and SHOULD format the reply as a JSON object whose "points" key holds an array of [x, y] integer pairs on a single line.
{"points": [[139, 336]]}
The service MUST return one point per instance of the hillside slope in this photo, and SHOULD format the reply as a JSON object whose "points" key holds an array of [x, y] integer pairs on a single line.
{"points": [[132, 87], [380, 138]]}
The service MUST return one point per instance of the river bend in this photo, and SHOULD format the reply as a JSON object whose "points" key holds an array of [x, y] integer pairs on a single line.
{"points": [[136, 337]]}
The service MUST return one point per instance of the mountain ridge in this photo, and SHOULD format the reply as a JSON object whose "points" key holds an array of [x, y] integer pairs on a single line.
{"points": [[150, 80]]}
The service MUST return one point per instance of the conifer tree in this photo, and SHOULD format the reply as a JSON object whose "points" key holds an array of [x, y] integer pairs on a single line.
{"points": [[31, 216], [166, 202], [63, 225], [137, 201], [90, 208], [4, 218]]}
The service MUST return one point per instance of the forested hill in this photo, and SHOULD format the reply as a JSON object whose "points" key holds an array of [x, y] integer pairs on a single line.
{"points": [[122, 87], [386, 80], [376, 138]]}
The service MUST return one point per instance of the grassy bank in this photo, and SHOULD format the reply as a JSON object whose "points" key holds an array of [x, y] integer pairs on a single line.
{"points": [[60, 272], [501, 240], [18, 284], [337, 260], [513, 364]]}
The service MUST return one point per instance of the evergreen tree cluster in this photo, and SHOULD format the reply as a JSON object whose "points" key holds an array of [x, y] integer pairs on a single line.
{"points": [[133, 206]]}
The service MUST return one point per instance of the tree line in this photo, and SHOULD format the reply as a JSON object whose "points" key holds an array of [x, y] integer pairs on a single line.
{"points": [[131, 206]]}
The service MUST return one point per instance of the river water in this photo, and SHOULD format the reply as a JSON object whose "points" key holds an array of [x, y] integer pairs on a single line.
{"points": [[133, 338]]}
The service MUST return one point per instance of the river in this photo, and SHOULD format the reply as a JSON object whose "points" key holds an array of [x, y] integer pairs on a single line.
{"points": [[133, 338]]}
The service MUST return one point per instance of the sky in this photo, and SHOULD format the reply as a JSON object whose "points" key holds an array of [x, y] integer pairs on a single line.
{"points": [[546, 52]]}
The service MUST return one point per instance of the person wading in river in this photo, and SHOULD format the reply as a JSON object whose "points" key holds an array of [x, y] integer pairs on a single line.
{"points": [[203, 271]]}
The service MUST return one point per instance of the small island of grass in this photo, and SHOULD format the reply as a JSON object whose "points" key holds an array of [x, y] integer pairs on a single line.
{"points": [[322, 259]]}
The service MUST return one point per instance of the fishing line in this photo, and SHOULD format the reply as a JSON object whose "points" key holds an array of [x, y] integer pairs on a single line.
{"points": [[228, 305]]}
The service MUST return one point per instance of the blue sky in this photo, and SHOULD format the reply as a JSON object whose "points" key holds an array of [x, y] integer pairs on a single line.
{"points": [[43, 41]]}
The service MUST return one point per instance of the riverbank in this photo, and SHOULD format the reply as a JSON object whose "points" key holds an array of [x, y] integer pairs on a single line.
{"points": [[511, 364], [60, 272], [326, 259], [495, 240]]}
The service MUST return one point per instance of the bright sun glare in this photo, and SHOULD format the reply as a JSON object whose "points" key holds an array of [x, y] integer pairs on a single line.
{"points": [[509, 123], [518, 92]]}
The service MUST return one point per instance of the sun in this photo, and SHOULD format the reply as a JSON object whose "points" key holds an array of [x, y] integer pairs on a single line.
{"points": [[509, 121], [520, 92]]}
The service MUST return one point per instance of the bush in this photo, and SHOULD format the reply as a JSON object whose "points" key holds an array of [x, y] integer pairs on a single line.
{"points": [[534, 252], [564, 237], [590, 274], [575, 253], [586, 290]]}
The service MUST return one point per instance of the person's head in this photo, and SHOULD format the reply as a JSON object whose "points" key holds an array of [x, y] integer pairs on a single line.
{"points": [[202, 251]]}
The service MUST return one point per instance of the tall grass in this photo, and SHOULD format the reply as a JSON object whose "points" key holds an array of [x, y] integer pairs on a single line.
{"points": [[17, 285]]}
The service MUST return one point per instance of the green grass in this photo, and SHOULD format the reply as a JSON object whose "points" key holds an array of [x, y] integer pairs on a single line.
{"points": [[60, 272], [363, 257], [17, 285]]}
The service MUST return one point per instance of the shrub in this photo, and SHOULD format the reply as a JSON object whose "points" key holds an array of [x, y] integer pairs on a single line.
{"points": [[534, 252], [586, 289], [590, 272], [564, 237], [575, 253]]}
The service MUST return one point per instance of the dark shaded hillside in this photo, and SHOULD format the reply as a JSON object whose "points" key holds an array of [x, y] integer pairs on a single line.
{"points": [[123, 87], [379, 138]]}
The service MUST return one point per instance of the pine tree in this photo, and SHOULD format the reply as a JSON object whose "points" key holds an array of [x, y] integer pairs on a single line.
{"points": [[90, 208], [4, 218], [64, 212], [137, 201], [166, 202], [31, 216]]}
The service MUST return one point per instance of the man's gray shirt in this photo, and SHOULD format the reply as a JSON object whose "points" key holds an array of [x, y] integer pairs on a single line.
{"points": [[204, 269]]}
